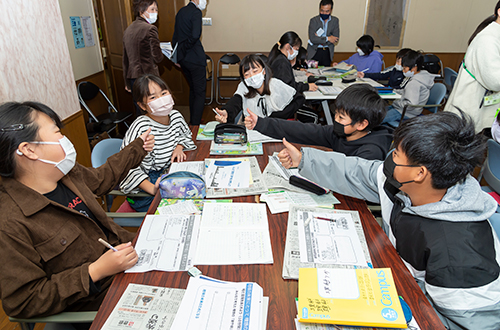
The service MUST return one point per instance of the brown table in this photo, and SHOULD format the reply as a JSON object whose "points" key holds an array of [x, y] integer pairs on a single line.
{"points": [[281, 293]]}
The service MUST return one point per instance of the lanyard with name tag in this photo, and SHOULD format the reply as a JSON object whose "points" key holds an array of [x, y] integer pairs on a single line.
{"points": [[491, 98]]}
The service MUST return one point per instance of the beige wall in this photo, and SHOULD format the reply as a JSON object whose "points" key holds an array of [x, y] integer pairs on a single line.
{"points": [[86, 61], [34, 57], [255, 25]]}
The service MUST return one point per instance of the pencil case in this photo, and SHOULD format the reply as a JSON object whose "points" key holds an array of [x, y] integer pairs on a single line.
{"points": [[182, 184], [307, 185], [230, 133]]}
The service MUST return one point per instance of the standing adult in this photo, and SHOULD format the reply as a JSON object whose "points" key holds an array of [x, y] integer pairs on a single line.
{"points": [[191, 56], [324, 34], [141, 44], [478, 74]]}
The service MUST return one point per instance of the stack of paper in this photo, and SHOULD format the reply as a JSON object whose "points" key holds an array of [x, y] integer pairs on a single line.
{"points": [[212, 304], [249, 148], [234, 233], [280, 201], [332, 251]]}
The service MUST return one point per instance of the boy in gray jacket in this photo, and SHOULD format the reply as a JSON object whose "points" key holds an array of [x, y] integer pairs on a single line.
{"points": [[433, 210], [416, 91]]}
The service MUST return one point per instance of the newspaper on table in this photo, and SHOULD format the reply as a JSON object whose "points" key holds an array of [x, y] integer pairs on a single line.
{"points": [[292, 259], [234, 233], [167, 243], [256, 136], [274, 180], [257, 186], [145, 307], [212, 304]]}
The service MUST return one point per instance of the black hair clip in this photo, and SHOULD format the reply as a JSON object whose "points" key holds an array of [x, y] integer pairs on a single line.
{"points": [[12, 128]]}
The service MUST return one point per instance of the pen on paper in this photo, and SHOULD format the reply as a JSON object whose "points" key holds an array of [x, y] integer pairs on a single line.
{"points": [[106, 244], [365, 70], [327, 219]]}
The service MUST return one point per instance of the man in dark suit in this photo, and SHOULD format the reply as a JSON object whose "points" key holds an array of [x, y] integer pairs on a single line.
{"points": [[191, 56], [324, 34]]}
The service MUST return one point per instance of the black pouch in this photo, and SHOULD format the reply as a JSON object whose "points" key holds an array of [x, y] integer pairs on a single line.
{"points": [[307, 185], [230, 133]]}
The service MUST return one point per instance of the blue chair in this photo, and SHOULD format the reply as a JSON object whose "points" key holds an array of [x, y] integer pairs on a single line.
{"points": [[450, 76], [435, 101], [100, 154]]}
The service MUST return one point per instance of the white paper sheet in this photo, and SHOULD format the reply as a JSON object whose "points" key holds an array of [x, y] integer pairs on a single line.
{"points": [[213, 304], [182, 207], [234, 233], [197, 167], [228, 174], [166, 242], [279, 202], [327, 238], [145, 307], [256, 136]]}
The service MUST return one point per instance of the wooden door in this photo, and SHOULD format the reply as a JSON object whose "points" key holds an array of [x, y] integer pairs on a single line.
{"points": [[116, 15]]}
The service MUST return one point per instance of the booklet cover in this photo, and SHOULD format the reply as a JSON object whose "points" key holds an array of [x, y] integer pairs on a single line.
{"points": [[359, 297]]}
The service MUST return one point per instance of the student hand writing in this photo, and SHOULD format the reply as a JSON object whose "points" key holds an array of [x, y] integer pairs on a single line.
{"points": [[149, 140], [290, 156], [111, 263], [313, 87], [251, 120], [178, 154], [361, 74], [222, 116]]}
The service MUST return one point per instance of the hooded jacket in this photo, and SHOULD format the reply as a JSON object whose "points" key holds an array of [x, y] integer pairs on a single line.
{"points": [[371, 62], [417, 92], [448, 246], [374, 145]]}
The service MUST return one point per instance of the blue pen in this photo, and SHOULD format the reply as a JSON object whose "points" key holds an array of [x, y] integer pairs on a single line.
{"points": [[226, 162]]}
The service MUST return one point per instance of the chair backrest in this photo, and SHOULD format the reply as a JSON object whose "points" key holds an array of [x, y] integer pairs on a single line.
{"points": [[438, 91], [448, 73], [492, 166], [230, 58], [433, 64], [103, 150]]}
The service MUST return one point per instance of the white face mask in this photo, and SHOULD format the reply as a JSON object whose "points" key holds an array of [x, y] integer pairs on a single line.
{"points": [[255, 81], [152, 18], [202, 5], [69, 160], [360, 52], [409, 74], [398, 67], [162, 106], [293, 55]]}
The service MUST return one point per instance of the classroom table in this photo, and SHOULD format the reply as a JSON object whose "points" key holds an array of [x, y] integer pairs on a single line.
{"points": [[281, 293], [317, 95]]}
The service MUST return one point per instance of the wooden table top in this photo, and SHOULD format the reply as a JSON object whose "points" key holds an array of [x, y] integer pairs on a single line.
{"points": [[281, 293]]}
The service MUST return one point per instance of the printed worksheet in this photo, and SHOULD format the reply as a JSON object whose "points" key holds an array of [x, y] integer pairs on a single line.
{"points": [[228, 174], [329, 238], [145, 307], [166, 242], [212, 304], [234, 233], [186, 207], [197, 167]]}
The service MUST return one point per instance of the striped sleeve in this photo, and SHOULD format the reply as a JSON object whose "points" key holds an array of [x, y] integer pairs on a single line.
{"points": [[185, 135]]}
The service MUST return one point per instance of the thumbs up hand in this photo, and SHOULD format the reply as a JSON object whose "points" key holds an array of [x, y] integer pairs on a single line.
{"points": [[149, 140], [251, 120], [290, 156]]}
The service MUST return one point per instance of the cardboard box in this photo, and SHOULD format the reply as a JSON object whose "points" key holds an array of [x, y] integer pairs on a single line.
{"points": [[230, 70]]}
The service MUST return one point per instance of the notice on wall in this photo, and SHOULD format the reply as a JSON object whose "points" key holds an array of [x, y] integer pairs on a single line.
{"points": [[76, 28], [88, 33], [83, 34]]}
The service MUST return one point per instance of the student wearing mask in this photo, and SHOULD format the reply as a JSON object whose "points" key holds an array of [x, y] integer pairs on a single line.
{"points": [[191, 55], [366, 59], [416, 91], [284, 51], [261, 93], [395, 77], [433, 211], [324, 34], [300, 61], [141, 44], [171, 132], [51, 221], [355, 132]]}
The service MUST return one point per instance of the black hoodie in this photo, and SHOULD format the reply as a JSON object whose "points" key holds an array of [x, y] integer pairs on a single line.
{"points": [[374, 145]]}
